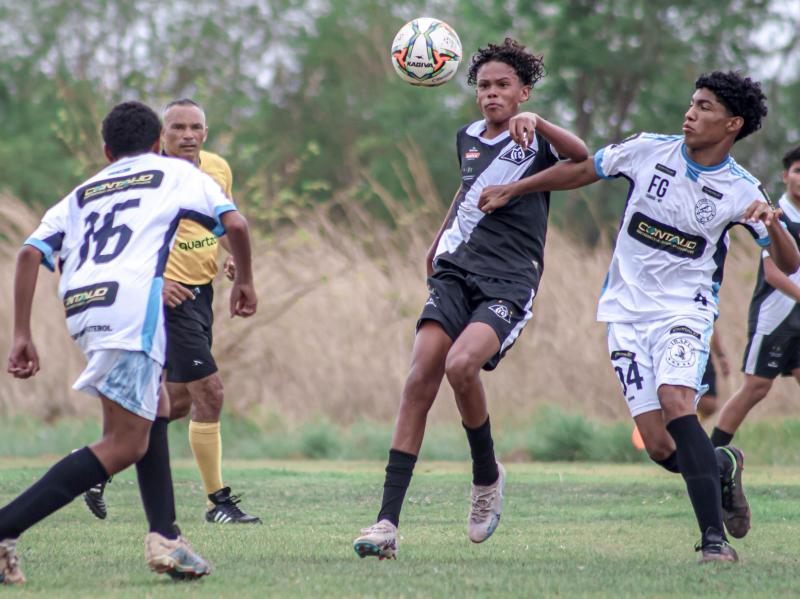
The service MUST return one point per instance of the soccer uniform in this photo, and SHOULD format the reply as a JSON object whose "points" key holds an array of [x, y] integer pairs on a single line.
{"points": [[487, 267], [193, 263], [773, 331], [660, 294], [112, 236]]}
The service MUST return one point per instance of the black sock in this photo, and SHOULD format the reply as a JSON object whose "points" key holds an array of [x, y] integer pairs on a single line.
{"points": [[719, 437], [481, 446], [74, 474], [697, 461], [398, 477], [155, 482], [669, 463]]}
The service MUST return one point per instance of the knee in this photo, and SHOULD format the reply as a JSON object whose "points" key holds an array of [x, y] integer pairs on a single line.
{"points": [[421, 388], [757, 389], [659, 449], [461, 369], [178, 409], [676, 402]]}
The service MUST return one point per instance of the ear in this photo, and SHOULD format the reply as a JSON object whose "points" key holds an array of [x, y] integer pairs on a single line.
{"points": [[525, 94], [734, 125], [156, 147], [785, 177], [108, 153], [205, 134]]}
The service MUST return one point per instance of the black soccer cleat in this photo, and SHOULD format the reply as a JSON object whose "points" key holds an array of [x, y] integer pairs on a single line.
{"points": [[95, 500], [735, 509], [226, 509], [715, 548]]}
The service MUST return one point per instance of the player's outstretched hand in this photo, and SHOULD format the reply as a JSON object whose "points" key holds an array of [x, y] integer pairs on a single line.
{"points": [[521, 127], [23, 361], [174, 294], [229, 268], [759, 210], [493, 197], [243, 300]]}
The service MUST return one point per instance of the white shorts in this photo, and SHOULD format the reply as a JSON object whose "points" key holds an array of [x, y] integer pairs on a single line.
{"points": [[646, 355], [129, 378]]}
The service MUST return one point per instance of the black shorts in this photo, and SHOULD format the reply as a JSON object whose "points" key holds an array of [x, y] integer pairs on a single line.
{"points": [[769, 356], [189, 337], [710, 378], [457, 298]]}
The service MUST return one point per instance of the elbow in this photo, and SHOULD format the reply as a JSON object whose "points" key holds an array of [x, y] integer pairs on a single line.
{"points": [[234, 223], [581, 153]]}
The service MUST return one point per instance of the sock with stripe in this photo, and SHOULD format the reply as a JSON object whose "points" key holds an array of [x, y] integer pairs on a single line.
{"points": [[205, 440]]}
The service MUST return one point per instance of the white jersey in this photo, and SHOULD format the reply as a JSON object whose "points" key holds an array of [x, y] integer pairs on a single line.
{"points": [[673, 238], [112, 236]]}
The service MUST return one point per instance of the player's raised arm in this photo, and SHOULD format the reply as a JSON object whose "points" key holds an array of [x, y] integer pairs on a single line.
{"points": [[782, 249], [566, 144], [568, 174], [23, 360], [243, 294]]}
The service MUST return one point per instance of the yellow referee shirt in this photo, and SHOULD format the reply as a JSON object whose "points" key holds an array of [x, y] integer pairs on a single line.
{"points": [[193, 259]]}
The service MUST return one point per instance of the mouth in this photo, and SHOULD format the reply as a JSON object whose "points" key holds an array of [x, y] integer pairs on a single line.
{"points": [[492, 106], [687, 129]]}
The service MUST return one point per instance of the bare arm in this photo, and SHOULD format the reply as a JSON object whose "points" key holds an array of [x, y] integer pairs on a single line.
{"points": [[718, 352], [243, 296], [23, 361], [432, 251], [782, 249], [778, 280], [564, 175]]}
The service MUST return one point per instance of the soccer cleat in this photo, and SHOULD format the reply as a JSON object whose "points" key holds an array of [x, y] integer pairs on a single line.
{"points": [[379, 540], [9, 563], [714, 548], [96, 501], [175, 557], [487, 505], [735, 509], [226, 509]]}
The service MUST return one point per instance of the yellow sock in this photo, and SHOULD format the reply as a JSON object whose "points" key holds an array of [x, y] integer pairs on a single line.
{"points": [[206, 443]]}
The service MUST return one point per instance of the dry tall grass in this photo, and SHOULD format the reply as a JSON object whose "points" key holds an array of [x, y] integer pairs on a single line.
{"points": [[338, 304]]}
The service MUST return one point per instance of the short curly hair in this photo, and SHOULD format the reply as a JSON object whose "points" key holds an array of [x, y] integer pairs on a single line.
{"points": [[130, 128], [740, 95], [791, 157], [528, 66]]}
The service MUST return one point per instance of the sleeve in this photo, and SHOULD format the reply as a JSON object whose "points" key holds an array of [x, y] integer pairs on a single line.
{"points": [[620, 158], [758, 230], [49, 235], [206, 202]]}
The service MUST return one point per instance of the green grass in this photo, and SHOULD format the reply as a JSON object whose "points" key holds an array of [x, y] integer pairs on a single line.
{"points": [[569, 530]]}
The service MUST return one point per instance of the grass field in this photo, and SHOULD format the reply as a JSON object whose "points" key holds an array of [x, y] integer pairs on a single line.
{"points": [[568, 530]]}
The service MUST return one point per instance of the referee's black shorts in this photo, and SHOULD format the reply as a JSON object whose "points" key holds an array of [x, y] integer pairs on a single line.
{"points": [[189, 337]]}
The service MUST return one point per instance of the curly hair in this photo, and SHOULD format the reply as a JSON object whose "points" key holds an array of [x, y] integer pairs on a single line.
{"points": [[791, 157], [528, 66], [740, 95], [130, 128]]}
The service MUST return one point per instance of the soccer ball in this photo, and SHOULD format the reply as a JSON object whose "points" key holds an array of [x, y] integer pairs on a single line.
{"points": [[426, 52]]}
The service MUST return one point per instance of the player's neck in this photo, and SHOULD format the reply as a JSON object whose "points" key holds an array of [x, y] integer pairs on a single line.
{"points": [[709, 155], [494, 129]]}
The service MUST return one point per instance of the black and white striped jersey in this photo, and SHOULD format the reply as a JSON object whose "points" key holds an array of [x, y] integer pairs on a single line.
{"points": [[771, 308], [509, 243]]}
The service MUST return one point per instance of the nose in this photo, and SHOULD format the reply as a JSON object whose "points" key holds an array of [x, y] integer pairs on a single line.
{"points": [[690, 114]]}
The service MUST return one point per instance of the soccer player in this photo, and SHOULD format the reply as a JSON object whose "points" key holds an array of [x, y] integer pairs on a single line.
{"points": [[112, 236], [773, 346], [483, 272], [660, 295], [193, 381]]}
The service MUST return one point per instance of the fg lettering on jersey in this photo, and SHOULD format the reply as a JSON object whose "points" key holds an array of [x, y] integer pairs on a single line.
{"points": [[658, 188]]}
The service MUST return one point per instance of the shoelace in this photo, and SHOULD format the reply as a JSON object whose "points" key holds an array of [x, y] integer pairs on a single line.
{"points": [[481, 505], [377, 527], [232, 505]]}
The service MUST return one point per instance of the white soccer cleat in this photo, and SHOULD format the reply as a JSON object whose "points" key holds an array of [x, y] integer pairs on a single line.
{"points": [[174, 557], [487, 505], [379, 540], [9, 563]]}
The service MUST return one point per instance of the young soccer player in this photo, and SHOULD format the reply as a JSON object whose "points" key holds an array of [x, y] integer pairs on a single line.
{"points": [[483, 272], [112, 236], [773, 346], [660, 295]]}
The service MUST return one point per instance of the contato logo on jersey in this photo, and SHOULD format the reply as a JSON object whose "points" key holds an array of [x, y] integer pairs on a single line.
{"points": [[99, 189], [92, 296], [664, 237]]}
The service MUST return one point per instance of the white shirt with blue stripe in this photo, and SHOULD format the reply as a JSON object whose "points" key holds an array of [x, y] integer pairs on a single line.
{"points": [[673, 238], [112, 236]]}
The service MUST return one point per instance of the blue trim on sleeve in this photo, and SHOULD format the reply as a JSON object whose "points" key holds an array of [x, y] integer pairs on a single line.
{"points": [[151, 315], [598, 164], [219, 230], [764, 241], [47, 252]]}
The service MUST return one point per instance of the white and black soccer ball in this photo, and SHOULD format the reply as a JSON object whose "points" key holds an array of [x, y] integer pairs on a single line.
{"points": [[426, 52]]}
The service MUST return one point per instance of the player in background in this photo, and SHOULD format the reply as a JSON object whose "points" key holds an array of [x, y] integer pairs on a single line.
{"points": [[773, 346], [483, 272], [111, 236], [660, 295], [193, 381]]}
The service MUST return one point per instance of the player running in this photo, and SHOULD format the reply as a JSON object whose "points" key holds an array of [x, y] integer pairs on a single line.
{"points": [[483, 272], [660, 295], [773, 346], [112, 236]]}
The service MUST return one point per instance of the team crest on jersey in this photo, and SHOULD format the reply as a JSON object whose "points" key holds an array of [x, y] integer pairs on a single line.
{"points": [[472, 154], [92, 296], [502, 312], [665, 237], [681, 353], [518, 155], [99, 189], [704, 211]]}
